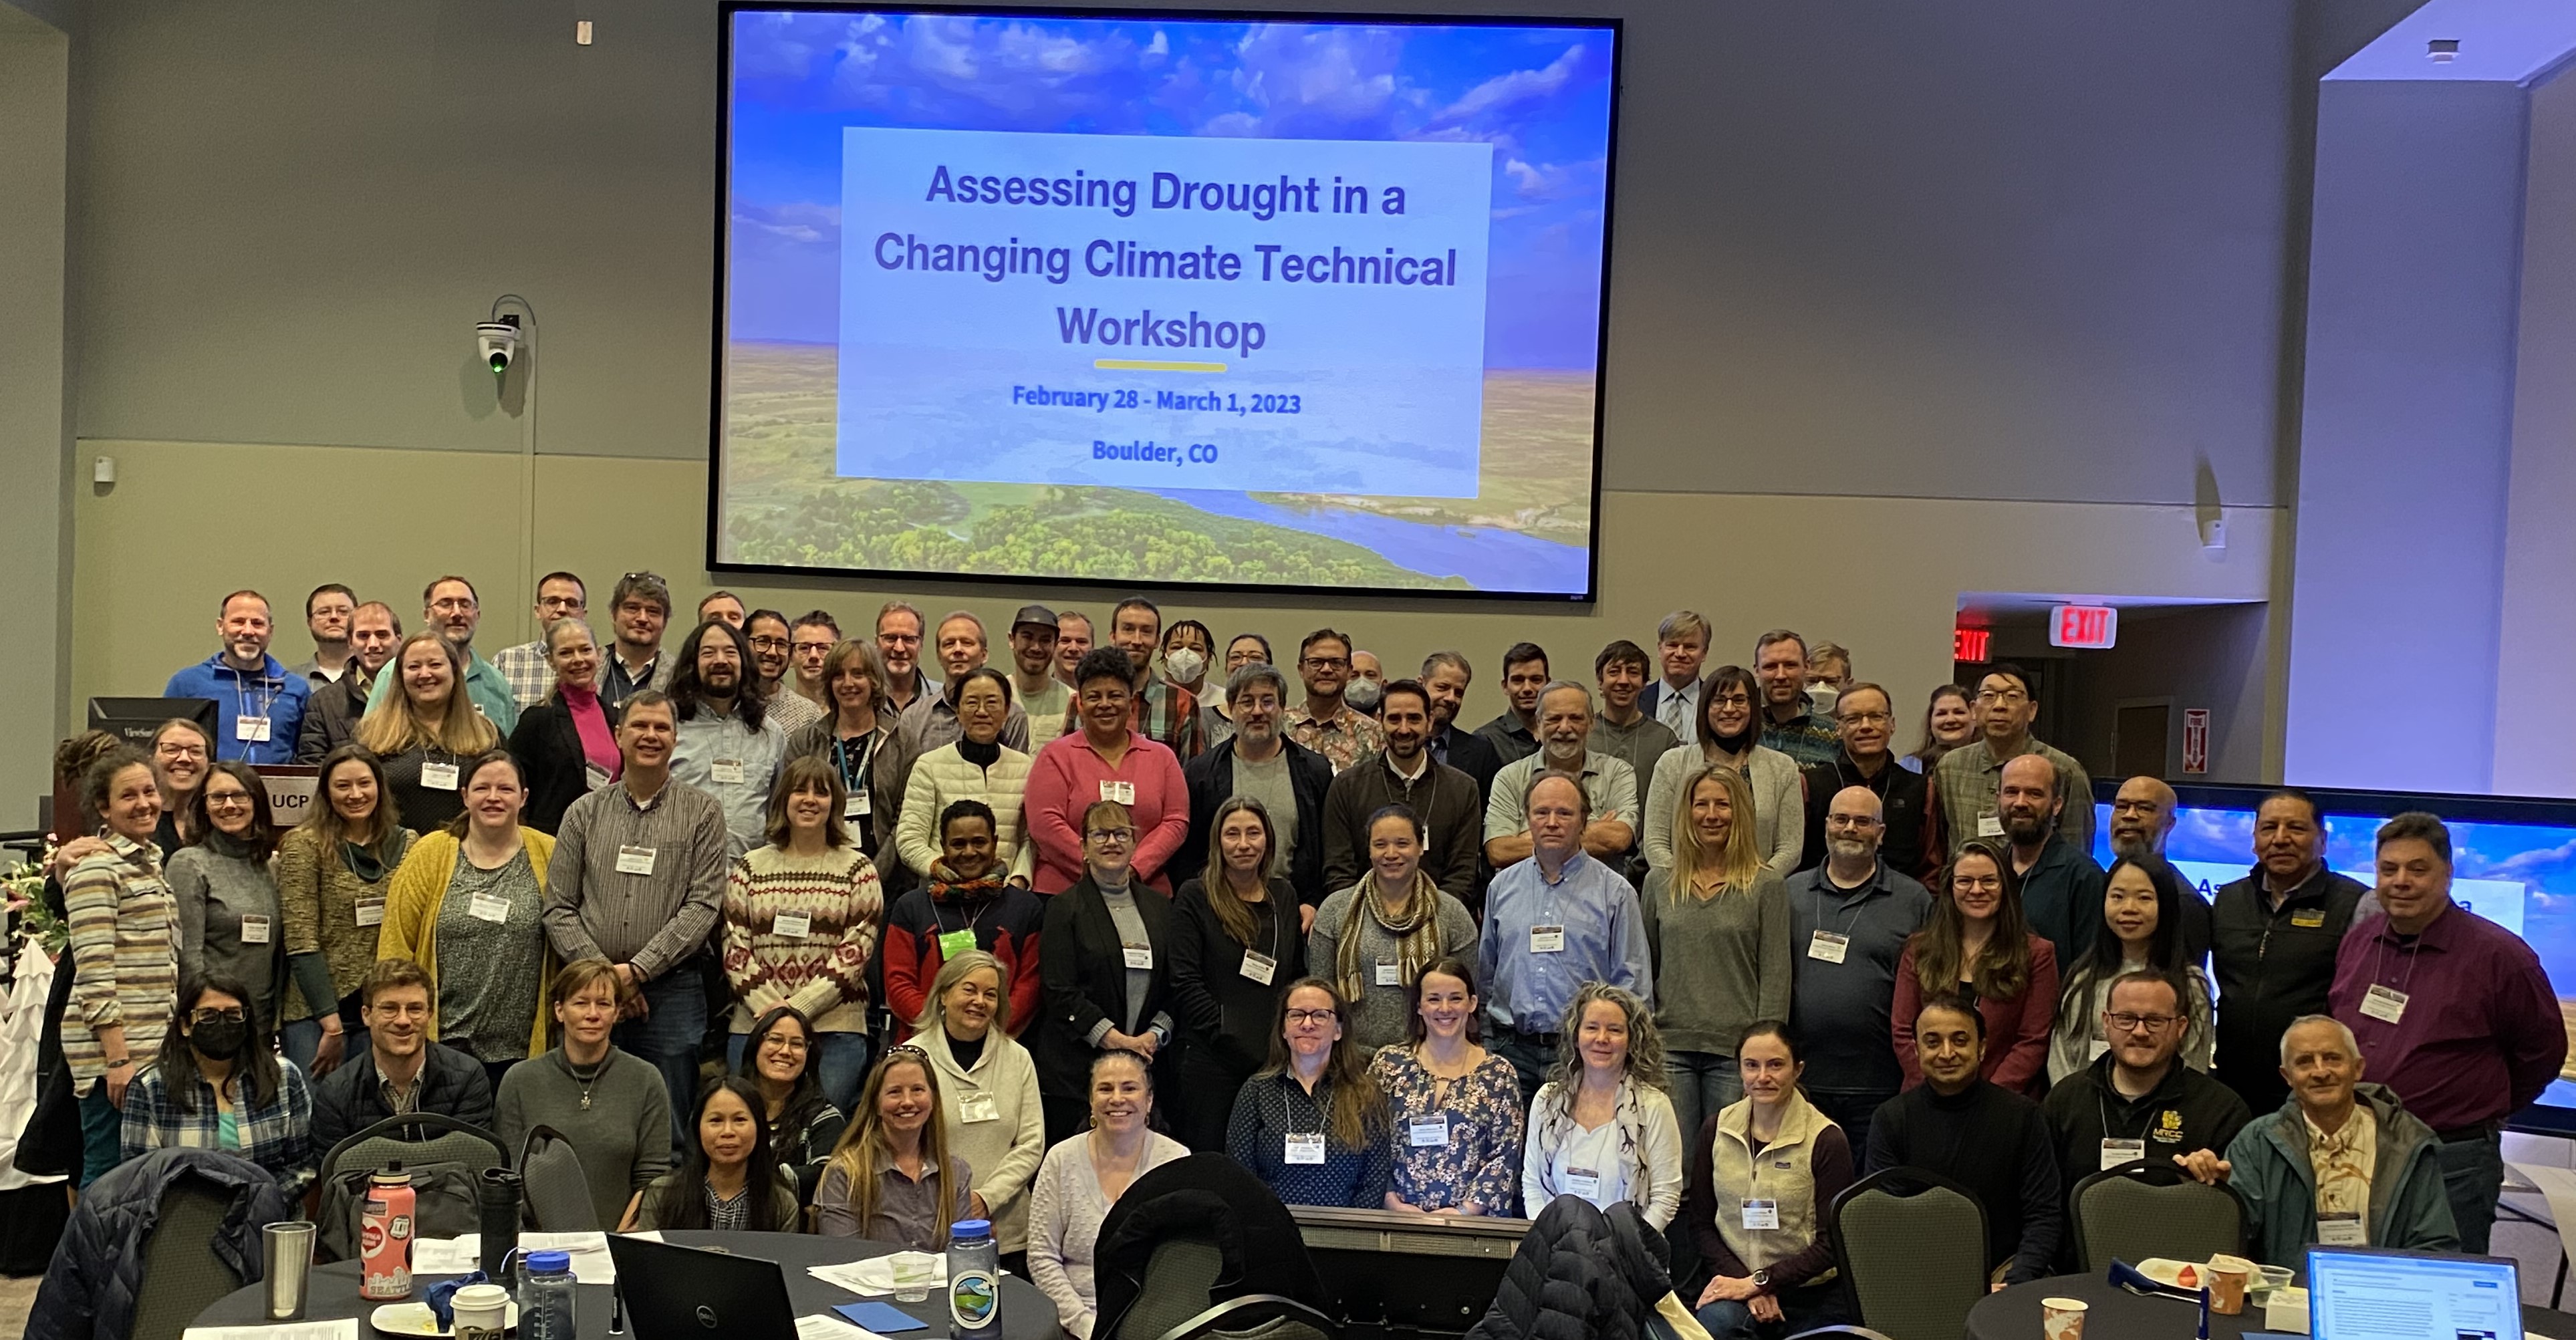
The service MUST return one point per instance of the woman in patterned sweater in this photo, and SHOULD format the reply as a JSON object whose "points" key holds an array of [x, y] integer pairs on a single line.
{"points": [[801, 917], [124, 952]]}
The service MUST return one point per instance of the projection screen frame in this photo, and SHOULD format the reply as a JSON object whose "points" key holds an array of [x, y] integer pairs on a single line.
{"points": [[718, 406]]}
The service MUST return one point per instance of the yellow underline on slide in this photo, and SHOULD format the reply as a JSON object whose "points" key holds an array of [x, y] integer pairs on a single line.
{"points": [[1152, 365]]}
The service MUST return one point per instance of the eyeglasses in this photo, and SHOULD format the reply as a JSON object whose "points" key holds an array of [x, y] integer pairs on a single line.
{"points": [[453, 604], [1324, 662], [1850, 821], [225, 800], [1313, 1016], [1979, 883], [179, 750], [1111, 834], [231, 1016], [2129, 1023], [786, 1042], [1733, 700], [1867, 718], [769, 644], [2002, 696]]}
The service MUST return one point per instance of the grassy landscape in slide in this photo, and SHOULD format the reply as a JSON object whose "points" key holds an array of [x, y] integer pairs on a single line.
{"points": [[783, 504]]}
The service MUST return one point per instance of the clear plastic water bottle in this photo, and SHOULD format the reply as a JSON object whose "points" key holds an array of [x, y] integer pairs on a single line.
{"points": [[546, 1297], [974, 1281]]}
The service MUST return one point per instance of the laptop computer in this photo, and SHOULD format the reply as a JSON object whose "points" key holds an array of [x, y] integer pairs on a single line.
{"points": [[2360, 1293], [688, 1293]]}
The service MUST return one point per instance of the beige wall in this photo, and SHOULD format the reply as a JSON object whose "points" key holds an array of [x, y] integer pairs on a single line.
{"points": [[35, 422], [1879, 574]]}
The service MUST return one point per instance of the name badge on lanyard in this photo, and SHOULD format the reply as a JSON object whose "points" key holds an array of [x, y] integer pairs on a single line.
{"points": [[791, 925], [2117, 1152], [1306, 1149], [977, 1108], [1989, 826], [371, 911], [856, 805], [1259, 967], [438, 776], [254, 930], [725, 771], [2384, 1003], [251, 730], [489, 907], [1583, 1183], [1432, 1134], [1828, 947], [1389, 974], [1122, 792], [635, 860], [1139, 957], [1547, 939], [954, 943]]}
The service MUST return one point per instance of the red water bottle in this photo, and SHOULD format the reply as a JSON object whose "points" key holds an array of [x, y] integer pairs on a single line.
{"points": [[384, 1236]]}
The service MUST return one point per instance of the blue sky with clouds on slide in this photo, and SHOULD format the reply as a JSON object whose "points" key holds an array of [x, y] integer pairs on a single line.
{"points": [[1541, 96]]}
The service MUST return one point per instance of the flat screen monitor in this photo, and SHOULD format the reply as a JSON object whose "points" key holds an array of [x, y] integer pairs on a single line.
{"points": [[133, 720], [2513, 861], [1231, 300], [2358, 1294]]}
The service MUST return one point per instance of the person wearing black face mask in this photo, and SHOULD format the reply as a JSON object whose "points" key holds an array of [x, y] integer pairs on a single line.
{"points": [[217, 1085]]}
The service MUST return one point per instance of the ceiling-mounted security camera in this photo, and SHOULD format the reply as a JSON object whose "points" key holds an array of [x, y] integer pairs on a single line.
{"points": [[499, 342]]}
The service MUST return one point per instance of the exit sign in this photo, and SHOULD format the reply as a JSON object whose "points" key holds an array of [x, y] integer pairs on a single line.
{"points": [[2094, 627], [1969, 644]]}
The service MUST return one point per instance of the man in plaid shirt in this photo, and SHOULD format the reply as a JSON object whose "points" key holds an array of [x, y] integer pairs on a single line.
{"points": [[560, 595], [1164, 712]]}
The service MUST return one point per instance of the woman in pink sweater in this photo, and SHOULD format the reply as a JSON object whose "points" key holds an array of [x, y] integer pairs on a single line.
{"points": [[1105, 760]]}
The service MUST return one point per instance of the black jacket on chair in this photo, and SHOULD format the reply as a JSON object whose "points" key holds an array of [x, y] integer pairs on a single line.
{"points": [[1211, 779], [548, 747], [1580, 1274], [1084, 968], [97, 1272]]}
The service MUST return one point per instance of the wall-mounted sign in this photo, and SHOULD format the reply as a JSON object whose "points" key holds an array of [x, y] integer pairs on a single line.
{"points": [[2091, 627], [1969, 644]]}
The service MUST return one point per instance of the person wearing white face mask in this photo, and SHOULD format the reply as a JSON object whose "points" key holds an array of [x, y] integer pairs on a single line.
{"points": [[1456, 1106]]}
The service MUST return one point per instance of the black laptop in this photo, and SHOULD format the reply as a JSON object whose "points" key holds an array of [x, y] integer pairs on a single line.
{"points": [[688, 1293]]}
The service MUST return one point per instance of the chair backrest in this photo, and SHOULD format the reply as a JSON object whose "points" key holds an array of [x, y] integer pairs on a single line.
{"points": [[1258, 1316], [182, 1275], [1179, 1283], [2140, 1209], [552, 1186], [1913, 1247], [445, 1157], [414, 1139]]}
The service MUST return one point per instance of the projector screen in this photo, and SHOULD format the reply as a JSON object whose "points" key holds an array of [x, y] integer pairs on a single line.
{"points": [[1168, 300]]}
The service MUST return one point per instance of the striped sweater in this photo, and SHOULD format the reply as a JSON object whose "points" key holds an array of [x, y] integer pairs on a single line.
{"points": [[125, 956], [822, 972]]}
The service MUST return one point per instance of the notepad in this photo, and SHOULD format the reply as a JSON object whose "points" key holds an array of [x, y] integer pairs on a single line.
{"points": [[883, 1318]]}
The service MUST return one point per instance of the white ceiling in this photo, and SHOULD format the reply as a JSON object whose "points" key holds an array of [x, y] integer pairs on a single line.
{"points": [[2501, 41]]}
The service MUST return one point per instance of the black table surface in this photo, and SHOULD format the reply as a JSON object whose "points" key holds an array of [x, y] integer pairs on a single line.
{"points": [[2113, 1313], [1026, 1313]]}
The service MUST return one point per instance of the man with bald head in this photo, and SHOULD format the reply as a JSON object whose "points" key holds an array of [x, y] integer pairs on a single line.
{"points": [[2061, 887], [1848, 921], [2142, 817]]}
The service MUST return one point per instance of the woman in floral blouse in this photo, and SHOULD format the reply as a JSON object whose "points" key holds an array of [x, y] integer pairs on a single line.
{"points": [[1457, 1107]]}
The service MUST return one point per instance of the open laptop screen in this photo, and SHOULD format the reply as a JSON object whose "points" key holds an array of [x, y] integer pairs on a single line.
{"points": [[2357, 1294]]}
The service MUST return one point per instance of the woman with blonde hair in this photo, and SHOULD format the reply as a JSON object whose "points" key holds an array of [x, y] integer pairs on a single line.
{"points": [[1602, 1127], [426, 730], [996, 1122], [1372, 939], [1083, 1176], [895, 1178], [1717, 926], [334, 880], [857, 729]]}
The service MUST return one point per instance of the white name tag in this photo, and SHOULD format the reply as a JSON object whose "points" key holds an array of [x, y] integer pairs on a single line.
{"points": [[791, 925], [2342, 1230], [2384, 1003], [1140, 957], [635, 860], [1761, 1214], [1828, 946], [1989, 826], [438, 776], [252, 729], [490, 907], [1390, 974], [977, 1108], [1583, 1183], [1260, 967], [594, 776], [1547, 939], [1122, 792], [1432, 1134], [2117, 1152], [371, 911], [254, 930], [1307, 1150], [855, 805], [725, 771]]}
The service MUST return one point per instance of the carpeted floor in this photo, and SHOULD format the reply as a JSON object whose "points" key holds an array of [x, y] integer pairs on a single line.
{"points": [[15, 1297]]}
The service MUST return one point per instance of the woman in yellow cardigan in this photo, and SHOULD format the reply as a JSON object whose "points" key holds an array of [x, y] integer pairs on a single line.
{"points": [[474, 890]]}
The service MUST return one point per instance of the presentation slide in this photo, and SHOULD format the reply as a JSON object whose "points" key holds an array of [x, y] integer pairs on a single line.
{"points": [[1166, 301]]}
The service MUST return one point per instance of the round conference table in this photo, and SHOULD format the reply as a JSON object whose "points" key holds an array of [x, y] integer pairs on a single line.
{"points": [[1026, 1313], [2113, 1313]]}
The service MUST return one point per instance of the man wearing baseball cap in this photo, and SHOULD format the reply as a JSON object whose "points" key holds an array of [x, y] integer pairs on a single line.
{"points": [[1047, 699]]}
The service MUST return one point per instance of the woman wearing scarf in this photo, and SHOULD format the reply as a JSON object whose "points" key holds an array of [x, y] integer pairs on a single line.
{"points": [[1372, 939]]}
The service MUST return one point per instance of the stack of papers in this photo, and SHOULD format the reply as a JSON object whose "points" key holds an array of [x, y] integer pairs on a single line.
{"points": [[884, 1274], [591, 1263], [821, 1327], [297, 1330]]}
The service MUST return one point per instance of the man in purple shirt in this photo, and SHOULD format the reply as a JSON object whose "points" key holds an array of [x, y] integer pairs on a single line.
{"points": [[2453, 1013]]}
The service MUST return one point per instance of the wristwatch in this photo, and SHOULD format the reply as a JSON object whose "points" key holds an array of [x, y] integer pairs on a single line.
{"points": [[1762, 1279]]}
